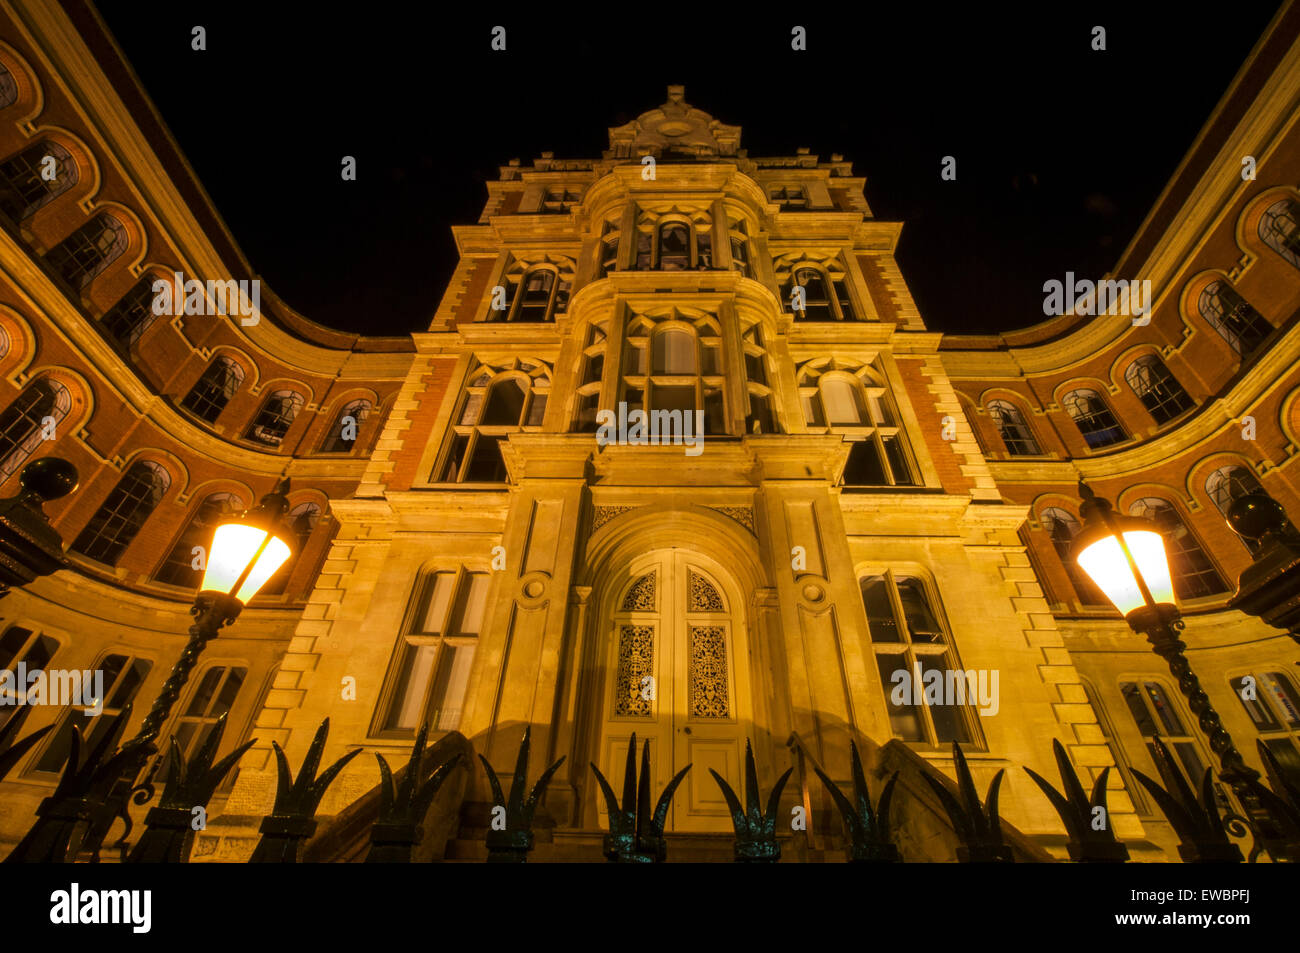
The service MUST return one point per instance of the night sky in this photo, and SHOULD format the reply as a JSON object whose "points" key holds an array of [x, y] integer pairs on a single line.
{"points": [[1061, 151]]}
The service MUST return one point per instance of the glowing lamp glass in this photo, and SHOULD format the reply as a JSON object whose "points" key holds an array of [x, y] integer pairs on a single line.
{"points": [[234, 546], [1105, 564]]}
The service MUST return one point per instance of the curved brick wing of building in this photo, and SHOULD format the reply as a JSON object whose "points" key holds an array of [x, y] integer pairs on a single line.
{"points": [[493, 544]]}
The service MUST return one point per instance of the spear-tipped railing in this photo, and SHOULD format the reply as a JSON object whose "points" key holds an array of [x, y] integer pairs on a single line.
{"points": [[510, 833], [397, 830], [867, 829], [755, 830], [636, 834], [977, 825], [1087, 820]]}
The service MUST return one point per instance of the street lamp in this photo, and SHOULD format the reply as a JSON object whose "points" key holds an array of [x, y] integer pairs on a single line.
{"points": [[1125, 557], [246, 551]]}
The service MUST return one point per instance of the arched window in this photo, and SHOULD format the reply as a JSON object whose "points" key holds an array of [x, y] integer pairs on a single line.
{"points": [[127, 320], [673, 352], [1228, 484], [1280, 229], [30, 420], [1194, 574], [302, 520], [813, 296], [1093, 418], [88, 251], [907, 636], [1158, 389], [1017, 436], [209, 396], [491, 409], [123, 676], [676, 369], [120, 517], [674, 245], [855, 404], [274, 419], [8, 88], [1062, 527], [34, 178], [1233, 317], [1153, 710], [183, 565], [537, 295], [342, 437]]}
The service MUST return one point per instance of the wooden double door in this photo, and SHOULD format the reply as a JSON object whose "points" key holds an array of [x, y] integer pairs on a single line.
{"points": [[676, 674]]}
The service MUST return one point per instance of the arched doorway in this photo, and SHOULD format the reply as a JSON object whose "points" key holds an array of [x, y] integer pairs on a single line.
{"points": [[675, 671]]}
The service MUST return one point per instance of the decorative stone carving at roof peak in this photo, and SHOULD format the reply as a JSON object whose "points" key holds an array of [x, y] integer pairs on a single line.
{"points": [[676, 131]]}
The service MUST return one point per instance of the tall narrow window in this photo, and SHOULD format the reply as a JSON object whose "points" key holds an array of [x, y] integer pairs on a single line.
{"points": [[123, 676], [609, 243], [1280, 229], [430, 671], [1194, 574], [120, 517], [491, 409], [88, 251], [1159, 391], [593, 375], [34, 178], [535, 295], [31, 649], [674, 247], [674, 244], [1233, 317], [302, 520], [209, 396], [29, 420], [1015, 432], [1271, 701], [760, 418], [909, 643], [1063, 527], [1116, 753], [127, 320], [1151, 708], [184, 564], [739, 237], [274, 419], [342, 435], [811, 295], [213, 697], [1093, 418]]}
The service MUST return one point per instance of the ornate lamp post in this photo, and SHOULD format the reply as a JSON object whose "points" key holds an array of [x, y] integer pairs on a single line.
{"points": [[246, 551], [1125, 557], [1270, 586], [29, 546]]}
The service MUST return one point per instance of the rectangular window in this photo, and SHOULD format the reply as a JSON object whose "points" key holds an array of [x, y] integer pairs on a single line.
{"points": [[931, 700], [123, 676], [19, 645], [430, 674]]}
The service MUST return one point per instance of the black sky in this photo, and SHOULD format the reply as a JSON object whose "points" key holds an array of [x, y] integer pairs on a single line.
{"points": [[1061, 151]]}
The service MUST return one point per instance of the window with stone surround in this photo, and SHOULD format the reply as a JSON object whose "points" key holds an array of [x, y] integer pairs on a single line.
{"points": [[815, 286], [908, 641], [1233, 317], [24, 186], [1279, 227], [429, 674], [33, 649], [850, 399], [25, 424], [1015, 432], [1092, 416], [123, 676], [1271, 701], [210, 394], [1194, 574], [121, 516], [498, 400], [1157, 388], [84, 254]]}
